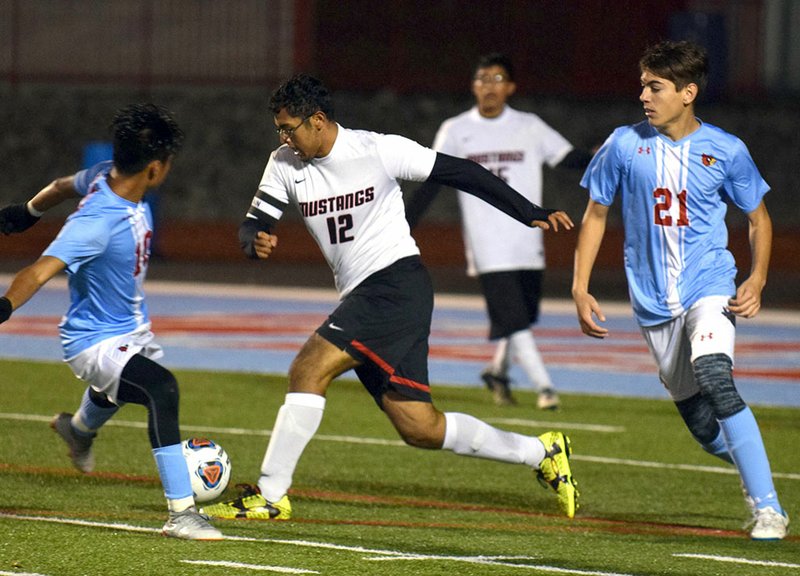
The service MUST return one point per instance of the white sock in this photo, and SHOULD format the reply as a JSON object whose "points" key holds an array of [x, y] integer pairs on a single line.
{"points": [[297, 422], [500, 361], [468, 436], [526, 354], [180, 504]]}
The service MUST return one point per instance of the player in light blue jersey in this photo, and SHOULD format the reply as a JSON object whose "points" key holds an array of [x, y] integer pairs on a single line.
{"points": [[674, 174], [104, 246]]}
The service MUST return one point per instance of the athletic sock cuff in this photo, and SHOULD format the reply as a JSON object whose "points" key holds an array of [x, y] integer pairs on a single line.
{"points": [[305, 399]]}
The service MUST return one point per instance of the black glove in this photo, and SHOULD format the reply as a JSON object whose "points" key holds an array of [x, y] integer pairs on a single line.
{"points": [[5, 309], [16, 218]]}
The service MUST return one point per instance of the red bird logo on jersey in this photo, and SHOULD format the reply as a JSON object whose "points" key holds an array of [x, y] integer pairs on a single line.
{"points": [[709, 160]]}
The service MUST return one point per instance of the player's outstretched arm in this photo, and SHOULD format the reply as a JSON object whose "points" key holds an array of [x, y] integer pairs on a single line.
{"points": [[474, 179], [19, 217], [593, 228], [27, 282], [747, 302]]}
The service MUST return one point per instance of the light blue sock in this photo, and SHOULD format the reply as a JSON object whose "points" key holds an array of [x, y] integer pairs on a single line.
{"points": [[173, 471], [719, 448], [90, 417], [744, 442]]}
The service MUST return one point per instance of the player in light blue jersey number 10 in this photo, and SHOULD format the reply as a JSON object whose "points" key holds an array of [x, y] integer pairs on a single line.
{"points": [[104, 247], [674, 174]]}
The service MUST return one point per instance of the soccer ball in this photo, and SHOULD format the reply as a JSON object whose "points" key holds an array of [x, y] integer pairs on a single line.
{"points": [[209, 468]]}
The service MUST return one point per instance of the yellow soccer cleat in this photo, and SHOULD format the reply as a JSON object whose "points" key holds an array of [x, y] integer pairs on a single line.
{"points": [[554, 471], [251, 505]]}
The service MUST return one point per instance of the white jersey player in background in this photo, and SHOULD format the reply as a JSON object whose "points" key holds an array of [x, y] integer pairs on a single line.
{"points": [[674, 174], [507, 256], [345, 185]]}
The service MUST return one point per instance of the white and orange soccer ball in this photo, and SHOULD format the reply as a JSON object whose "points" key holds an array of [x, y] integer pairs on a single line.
{"points": [[209, 468]]}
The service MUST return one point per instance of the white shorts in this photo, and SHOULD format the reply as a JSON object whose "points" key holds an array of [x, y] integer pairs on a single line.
{"points": [[101, 365], [707, 327]]}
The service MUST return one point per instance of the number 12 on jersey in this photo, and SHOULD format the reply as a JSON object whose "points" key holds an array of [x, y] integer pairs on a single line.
{"points": [[338, 228]]}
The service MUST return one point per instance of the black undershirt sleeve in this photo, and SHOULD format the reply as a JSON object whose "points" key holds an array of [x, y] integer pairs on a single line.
{"points": [[420, 201], [576, 159], [474, 179]]}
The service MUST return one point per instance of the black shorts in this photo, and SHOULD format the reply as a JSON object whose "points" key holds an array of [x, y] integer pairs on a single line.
{"points": [[385, 323], [512, 300]]}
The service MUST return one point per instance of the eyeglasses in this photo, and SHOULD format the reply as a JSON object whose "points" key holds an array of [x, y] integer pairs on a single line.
{"points": [[490, 79], [286, 133]]}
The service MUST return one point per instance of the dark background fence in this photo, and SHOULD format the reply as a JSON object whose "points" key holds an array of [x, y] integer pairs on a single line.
{"points": [[395, 66]]}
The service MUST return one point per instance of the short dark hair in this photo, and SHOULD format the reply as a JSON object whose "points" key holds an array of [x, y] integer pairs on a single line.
{"points": [[680, 62], [496, 59], [143, 133], [302, 95]]}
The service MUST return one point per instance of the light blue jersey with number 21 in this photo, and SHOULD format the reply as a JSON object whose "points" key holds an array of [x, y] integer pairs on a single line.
{"points": [[674, 201]]}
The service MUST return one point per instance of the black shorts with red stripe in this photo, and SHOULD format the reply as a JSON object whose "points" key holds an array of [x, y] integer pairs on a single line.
{"points": [[385, 322]]}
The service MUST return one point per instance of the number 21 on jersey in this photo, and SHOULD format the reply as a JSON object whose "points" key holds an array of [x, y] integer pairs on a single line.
{"points": [[661, 211]]}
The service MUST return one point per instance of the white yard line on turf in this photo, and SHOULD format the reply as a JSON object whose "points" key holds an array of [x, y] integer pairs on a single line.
{"points": [[206, 430], [483, 560], [559, 425], [256, 567], [734, 560]]}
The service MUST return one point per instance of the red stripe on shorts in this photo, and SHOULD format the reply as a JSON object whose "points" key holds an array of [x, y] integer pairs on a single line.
{"points": [[383, 365]]}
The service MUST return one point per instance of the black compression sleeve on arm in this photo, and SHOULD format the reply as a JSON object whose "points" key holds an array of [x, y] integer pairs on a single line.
{"points": [[247, 234], [576, 159], [420, 201], [474, 179]]}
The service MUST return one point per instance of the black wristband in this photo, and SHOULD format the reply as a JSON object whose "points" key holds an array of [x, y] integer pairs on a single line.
{"points": [[5, 309]]}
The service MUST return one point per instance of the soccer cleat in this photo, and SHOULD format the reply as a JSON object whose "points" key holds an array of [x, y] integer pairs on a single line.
{"points": [[251, 504], [80, 447], [769, 524], [190, 525], [499, 386], [548, 399], [554, 471]]}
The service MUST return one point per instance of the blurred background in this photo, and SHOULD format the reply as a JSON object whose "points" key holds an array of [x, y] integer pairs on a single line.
{"points": [[396, 66]]}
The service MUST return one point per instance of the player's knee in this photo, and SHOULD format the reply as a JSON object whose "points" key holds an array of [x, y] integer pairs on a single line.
{"points": [[421, 428], [421, 439], [713, 374], [168, 394], [316, 365], [699, 418], [99, 399], [150, 384]]}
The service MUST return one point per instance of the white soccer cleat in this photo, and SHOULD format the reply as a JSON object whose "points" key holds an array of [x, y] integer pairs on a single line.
{"points": [[769, 524], [190, 525], [547, 399]]}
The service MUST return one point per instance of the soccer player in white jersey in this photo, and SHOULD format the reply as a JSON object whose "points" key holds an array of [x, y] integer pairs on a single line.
{"points": [[507, 256], [674, 174], [104, 247], [345, 185]]}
